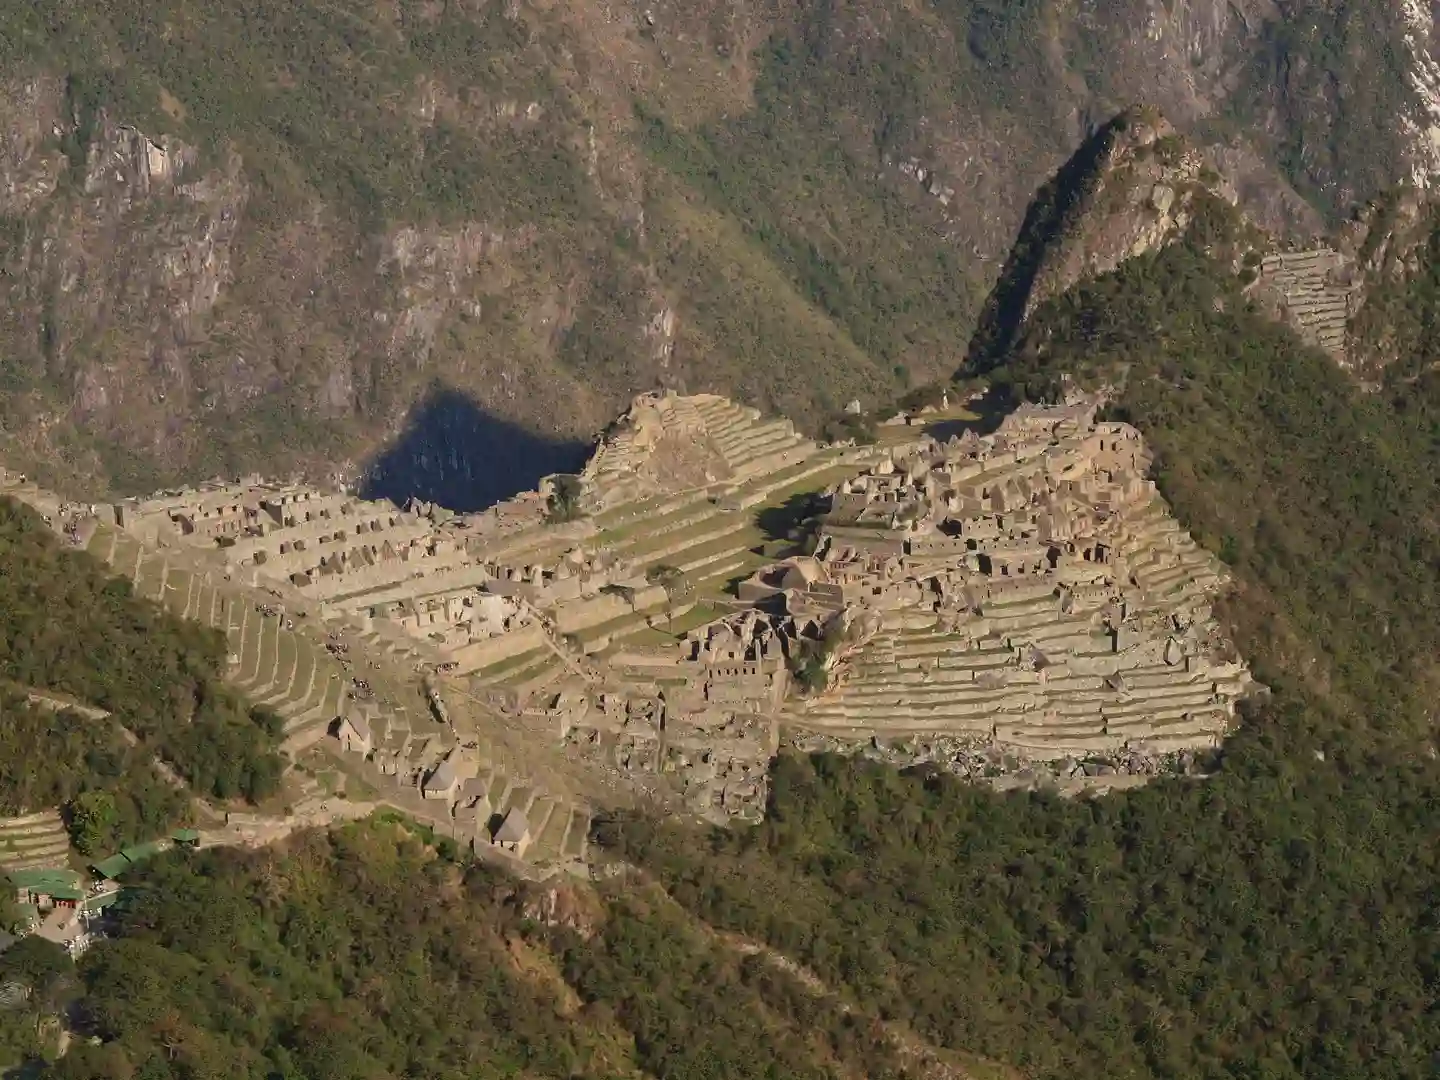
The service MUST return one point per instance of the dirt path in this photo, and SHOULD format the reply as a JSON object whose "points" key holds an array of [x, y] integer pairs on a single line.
{"points": [[49, 699], [45, 699], [922, 1058]]}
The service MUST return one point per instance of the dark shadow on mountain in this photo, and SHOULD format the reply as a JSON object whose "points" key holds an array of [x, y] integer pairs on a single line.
{"points": [[1050, 214], [454, 453]]}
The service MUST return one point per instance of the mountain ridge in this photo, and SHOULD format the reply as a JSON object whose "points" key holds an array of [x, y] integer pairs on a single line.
{"points": [[229, 245]]}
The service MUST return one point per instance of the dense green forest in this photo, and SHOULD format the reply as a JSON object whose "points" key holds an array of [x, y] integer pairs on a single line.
{"points": [[361, 955], [66, 625], [1278, 920], [110, 790], [44, 975]]}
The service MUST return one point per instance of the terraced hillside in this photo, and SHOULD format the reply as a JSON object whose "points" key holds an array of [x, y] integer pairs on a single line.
{"points": [[282, 656], [1317, 292], [33, 841], [1078, 623], [272, 663], [710, 585]]}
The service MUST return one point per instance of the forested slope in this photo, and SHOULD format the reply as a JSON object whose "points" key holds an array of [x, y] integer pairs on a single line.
{"points": [[68, 626], [361, 955], [109, 790]]}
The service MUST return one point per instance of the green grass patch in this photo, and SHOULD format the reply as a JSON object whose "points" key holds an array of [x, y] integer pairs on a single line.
{"points": [[512, 664]]}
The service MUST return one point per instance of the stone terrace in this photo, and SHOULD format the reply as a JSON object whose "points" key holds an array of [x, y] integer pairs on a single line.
{"points": [[1316, 295], [318, 668], [1030, 591], [272, 661], [33, 841]]}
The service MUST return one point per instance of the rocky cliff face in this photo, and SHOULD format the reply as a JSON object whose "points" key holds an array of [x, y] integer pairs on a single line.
{"points": [[265, 236], [1140, 195]]}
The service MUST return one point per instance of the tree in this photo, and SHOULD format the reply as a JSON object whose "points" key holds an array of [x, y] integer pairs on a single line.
{"points": [[92, 816], [42, 967], [808, 665], [565, 495], [675, 583]]}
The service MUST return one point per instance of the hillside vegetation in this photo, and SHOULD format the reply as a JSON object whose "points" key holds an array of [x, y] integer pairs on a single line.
{"points": [[67, 626], [361, 955], [109, 790]]}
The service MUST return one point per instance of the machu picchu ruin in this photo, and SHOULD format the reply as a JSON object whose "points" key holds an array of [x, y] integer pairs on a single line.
{"points": [[1028, 591], [711, 586]]}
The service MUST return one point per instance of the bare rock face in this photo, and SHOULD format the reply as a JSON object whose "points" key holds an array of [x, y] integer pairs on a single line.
{"points": [[1391, 247], [571, 906], [116, 262], [434, 273], [1138, 199], [30, 166], [181, 264]]}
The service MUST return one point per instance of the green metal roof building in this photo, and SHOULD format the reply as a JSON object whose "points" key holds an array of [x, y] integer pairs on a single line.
{"points": [[45, 886], [118, 898], [128, 858], [139, 853], [112, 867]]}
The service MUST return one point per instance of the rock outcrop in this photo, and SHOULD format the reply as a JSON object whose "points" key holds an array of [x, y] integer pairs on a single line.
{"points": [[1392, 244]]}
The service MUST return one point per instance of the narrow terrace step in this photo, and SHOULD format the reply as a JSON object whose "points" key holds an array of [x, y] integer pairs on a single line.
{"points": [[543, 677], [286, 663]]}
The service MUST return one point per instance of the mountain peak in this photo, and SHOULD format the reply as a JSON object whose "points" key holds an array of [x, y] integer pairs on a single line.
{"points": [[1132, 187]]}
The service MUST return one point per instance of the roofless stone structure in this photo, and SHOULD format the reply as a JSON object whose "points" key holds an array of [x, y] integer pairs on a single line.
{"points": [[987, 603]]}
